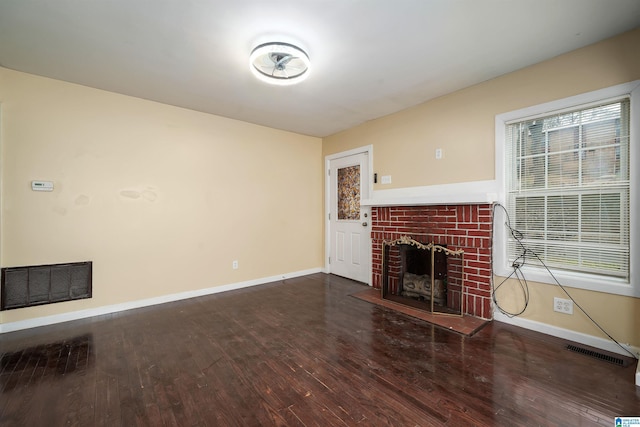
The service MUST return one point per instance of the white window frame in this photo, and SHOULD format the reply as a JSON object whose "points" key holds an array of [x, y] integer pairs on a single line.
{"points": [[592, 282]]}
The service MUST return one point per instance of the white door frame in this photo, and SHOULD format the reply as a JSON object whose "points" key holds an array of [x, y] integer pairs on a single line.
{"points": [[368, 149]]}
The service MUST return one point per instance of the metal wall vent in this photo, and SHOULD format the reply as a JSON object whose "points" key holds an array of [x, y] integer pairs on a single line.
{"points": [[45, 284], [601, 356]]}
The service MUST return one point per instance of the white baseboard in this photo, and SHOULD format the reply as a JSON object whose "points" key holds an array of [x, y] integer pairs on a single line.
{"points": [[83, 314], [590, 340]]}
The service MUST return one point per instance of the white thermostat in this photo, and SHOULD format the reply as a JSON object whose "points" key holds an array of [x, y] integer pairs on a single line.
{"points": [[42, 185]]}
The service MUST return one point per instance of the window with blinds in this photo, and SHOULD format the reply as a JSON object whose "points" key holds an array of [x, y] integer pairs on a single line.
{"points": [[568, 188]]}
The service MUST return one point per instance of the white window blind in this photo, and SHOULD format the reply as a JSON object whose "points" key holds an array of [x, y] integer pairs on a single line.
{"points": [[568, 189]]}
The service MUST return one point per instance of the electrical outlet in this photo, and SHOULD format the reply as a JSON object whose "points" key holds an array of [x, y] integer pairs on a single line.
{"points": [[438, 153], [234, 265], [562, 305]]}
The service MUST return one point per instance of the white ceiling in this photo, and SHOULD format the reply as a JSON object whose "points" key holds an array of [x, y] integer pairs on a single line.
{"points": [[369, 58]]}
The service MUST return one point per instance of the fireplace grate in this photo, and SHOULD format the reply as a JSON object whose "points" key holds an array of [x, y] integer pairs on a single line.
{"points": [[597, 355]]}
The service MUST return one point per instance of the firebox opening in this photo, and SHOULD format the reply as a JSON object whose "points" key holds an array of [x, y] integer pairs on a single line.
{"points": [[426, 277]]}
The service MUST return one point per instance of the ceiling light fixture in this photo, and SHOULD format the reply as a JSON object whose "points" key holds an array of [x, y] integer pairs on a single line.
{"points": [[279, 63]]}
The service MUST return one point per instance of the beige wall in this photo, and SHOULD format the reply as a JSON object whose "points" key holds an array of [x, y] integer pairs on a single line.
{"points": [[463, 125], [160, 198]]}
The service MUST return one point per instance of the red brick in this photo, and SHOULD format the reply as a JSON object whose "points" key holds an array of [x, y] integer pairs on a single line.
{"points": [[487, 313], [468, 226], [484, 272], [474, 264], [456, 232], [470, 304], [479, 292], [478, 306], [479, 233], [471, 271], [475, 278]]}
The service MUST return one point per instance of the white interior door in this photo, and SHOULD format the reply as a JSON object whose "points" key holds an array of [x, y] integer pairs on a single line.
{"points": [[349, 222]]}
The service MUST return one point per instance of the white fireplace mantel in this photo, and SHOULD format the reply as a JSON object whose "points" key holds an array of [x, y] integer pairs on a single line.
{"points": [[464, 193]]}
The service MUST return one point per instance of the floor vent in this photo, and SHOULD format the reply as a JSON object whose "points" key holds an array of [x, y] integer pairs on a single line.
{"points": [[595, 354], [45, 284]]}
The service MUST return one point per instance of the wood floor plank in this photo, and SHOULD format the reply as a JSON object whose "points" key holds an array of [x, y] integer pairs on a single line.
{"points": [[300, 352]]}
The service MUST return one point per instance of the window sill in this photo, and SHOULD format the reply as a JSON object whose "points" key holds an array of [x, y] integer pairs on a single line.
{"points": [[575, 280]]}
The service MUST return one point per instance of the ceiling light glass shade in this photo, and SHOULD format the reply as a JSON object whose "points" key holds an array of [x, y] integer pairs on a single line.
{"points": [[279, 63]]}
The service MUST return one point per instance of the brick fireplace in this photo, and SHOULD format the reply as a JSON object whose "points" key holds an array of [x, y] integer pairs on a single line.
{"points": [[465, 227]]}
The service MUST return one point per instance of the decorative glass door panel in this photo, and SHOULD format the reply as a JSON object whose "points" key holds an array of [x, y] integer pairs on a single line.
{"points": [[349, 193]]}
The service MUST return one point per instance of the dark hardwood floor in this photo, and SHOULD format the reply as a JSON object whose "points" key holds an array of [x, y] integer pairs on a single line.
{"points": [[301, 352]]}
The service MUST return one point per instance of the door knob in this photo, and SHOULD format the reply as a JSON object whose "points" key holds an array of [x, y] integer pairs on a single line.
{"points": [[364, 224]]}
